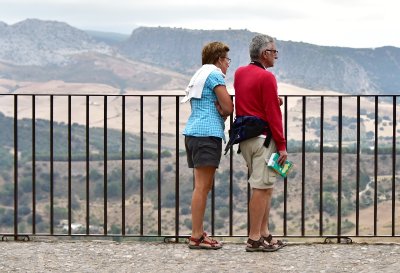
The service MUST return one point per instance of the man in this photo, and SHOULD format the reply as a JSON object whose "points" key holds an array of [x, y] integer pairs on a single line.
{"points": [[256, 95]]}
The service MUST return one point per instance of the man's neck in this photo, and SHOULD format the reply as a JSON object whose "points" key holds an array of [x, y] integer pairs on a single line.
{"points": [[258, 63]]}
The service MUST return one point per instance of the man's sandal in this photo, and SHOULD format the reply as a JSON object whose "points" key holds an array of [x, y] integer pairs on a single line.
{"points": [[260, 245], [204, 242], [278, 243]]}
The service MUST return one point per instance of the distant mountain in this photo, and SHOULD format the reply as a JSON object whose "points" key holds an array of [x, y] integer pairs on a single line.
{"points": [[180, 49], [309, 66], [36, 42], [161, 58], [350, 70], [40, 51], [109, 38]]}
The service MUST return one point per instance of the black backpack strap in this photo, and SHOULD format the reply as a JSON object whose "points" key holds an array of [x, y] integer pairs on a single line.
{"points": [[245, 127], [268, 137], [232, 134], [228, 146]]}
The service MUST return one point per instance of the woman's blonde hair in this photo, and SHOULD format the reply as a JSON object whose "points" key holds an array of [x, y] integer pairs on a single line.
{"points": [[213, 51]]}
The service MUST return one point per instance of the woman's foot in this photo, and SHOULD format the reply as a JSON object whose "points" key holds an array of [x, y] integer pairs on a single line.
{"points": [[204, 242]]}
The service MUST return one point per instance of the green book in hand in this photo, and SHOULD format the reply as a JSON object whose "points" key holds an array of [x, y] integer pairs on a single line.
{"points": [[281, 170]]}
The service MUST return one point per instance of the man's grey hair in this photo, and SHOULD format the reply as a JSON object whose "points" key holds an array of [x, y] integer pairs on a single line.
{"points": [[258, 44]]}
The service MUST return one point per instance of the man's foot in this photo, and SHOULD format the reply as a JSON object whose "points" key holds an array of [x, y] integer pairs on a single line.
{"points": [[260, 245], [272, 241]]}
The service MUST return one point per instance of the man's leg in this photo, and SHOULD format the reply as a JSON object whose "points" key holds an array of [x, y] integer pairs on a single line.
{"points": [[257, 209], [203, 177], [265, 220]]}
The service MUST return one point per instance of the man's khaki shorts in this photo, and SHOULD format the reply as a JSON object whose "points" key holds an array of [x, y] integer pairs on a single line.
{"points": [[256, 156]]}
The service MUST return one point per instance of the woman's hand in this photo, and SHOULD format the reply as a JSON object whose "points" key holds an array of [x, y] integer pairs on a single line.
{"points": [[220, 111]]}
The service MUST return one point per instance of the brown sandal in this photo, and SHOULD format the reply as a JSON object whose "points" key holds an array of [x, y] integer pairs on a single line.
{"points": [[278, 244], [260, 245]]}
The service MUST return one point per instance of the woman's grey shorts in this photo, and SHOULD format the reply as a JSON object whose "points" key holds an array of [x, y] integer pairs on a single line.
{"points": [[203, 151]]}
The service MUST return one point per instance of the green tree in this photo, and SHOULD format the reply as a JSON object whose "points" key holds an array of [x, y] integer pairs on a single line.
{"points": [[114, 189], [150, 180], [169, 200], [223, 212], [329, 204]]}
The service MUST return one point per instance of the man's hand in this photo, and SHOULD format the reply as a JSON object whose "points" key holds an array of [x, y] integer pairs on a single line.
{"points": [[282, 157], [280, 101]]}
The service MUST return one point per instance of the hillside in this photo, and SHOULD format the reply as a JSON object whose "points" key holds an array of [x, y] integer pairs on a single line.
{"points": [[97, 68], [35, 42], [348, 70], [161, 58], [42, 51]]}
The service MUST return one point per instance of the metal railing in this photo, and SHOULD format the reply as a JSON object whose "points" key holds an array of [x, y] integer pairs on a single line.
{"points": [[357, 136]]}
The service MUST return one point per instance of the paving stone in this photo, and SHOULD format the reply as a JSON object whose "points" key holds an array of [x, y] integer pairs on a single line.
{"points": [[135, 256]]}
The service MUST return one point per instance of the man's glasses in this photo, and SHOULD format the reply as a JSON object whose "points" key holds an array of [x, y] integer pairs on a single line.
{"points": [[228, 59], [272, 50]]}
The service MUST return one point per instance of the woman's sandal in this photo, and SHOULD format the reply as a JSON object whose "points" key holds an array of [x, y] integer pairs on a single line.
{"points": [[260, 245], [278, 244], [211, 239], [204, 242]]}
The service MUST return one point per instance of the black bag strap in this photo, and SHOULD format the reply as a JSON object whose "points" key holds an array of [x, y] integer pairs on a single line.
{"points": [[240, 123]]}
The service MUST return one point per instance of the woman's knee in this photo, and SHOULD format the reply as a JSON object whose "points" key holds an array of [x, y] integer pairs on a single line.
{"points": [[204, 187]]}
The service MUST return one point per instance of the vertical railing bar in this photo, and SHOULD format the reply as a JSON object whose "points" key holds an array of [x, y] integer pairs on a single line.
{"points": [[159, 167], [177, 170], [141, 165], [248, 202], [69, 167], [358, 167], [87, 168], [321, 171], [303, 167], [213, 207], [394, 168], [339, 211], [376, 167], [105, 167], [51, 166], [33, 164], [285, 187], [15, 167], [123, 167], [231, 182]]}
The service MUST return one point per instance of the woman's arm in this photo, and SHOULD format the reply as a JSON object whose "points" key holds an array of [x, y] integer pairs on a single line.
{"points": [[224, 104]]}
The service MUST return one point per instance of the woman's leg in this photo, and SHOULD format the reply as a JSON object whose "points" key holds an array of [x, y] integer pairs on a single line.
{"points": [[203, 180]]}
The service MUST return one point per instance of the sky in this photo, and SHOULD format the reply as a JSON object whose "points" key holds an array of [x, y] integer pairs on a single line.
{"points": [[344, 23]]}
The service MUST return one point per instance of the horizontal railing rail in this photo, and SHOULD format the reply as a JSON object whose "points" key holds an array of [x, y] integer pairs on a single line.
{"points": [[115, 165]]}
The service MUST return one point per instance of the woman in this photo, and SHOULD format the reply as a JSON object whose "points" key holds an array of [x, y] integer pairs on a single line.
{"points": [[204, 132]]}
